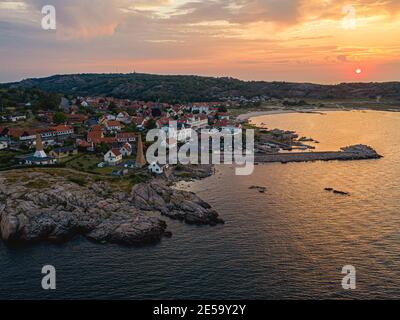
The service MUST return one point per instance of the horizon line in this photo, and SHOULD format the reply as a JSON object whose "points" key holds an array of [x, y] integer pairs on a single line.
{"points": [[192, 75]]}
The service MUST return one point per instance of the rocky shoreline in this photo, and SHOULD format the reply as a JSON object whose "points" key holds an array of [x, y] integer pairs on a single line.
{"points": [[37, 206]]}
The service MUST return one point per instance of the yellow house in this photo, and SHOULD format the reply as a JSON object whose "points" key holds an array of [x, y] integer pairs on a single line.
{"points": [[64, 152]]}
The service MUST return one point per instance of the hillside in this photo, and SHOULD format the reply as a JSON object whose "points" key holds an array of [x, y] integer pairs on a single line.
{"points": [[137, 86]]}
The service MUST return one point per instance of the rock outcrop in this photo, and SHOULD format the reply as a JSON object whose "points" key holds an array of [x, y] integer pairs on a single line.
{"points": [[35, 206], [176, 204]]}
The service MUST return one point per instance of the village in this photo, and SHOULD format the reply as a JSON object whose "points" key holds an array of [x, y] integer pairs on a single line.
{"points": [[105, 136], [101, 135]]}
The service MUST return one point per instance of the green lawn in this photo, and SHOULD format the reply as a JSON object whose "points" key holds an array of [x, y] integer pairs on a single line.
{"points": [[7, 158], [87, 163], [83, 162]]}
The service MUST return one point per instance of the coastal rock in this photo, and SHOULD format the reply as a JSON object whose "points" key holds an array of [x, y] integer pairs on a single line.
{"points": [[128, 229], [190, 172], [362, 151], [176, 204], [343, 193], [36, 206], [9, 226], [47, 208], [259, 189]]}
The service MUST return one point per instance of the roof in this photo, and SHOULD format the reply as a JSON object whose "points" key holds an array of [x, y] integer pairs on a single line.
{"points": [[15, 133], [116, 152], [44, 130], [126, 135], [84, 144], [80, 117], [97, 128], [222, 123], [138, 120], [109, 140], [92, 121], [28, 133], [95, 135], [62, 128], [127, 146], [64, 149], [124, 114], [114, 123]]}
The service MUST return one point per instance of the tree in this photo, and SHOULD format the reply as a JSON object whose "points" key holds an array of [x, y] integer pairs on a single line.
{"points": [[222, 109], [112, 107], [130, 128], [102, 148], [60, 117], [151, 124]]}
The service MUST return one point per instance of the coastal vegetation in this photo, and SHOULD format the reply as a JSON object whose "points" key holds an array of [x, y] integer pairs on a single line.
{"points": [[175, 88], [12, 98]]}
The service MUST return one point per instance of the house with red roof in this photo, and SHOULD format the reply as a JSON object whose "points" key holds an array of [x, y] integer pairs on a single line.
{"points": [[97, 127], [163, 122], [76, 118], [63, 130], [113, 125], [139, 121], [113, 157], [95, 137], [126, 150]]}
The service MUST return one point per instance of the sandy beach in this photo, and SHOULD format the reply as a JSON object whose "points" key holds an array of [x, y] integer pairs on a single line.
{"points": [[252, 114]]}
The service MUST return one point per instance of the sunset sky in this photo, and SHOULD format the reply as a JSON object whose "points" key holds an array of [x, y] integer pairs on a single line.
{"points": [[322, 41]]}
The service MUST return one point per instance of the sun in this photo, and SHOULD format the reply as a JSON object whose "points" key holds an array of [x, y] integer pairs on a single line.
{"points": [[358, 71]]}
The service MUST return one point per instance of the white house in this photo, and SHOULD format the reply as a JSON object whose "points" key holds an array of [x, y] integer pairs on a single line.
{"points": [[223, 116], [124, 117], [17, 118], [113, 157], [198, 121], [183, 134], [126, 150], [3, 145], [109, 117], [156, 168], [231, 129], [201, 109], [62, 130], [126, 137], [114, 126]]}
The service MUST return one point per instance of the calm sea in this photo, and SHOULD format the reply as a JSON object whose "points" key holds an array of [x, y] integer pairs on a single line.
{"points": [[290, 242]]}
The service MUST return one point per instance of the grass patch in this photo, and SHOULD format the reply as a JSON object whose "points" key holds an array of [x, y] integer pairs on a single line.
{"points": [[84, 162], [38, 184], [137, 178], [79, 181], [7, 159], [185, 175]]}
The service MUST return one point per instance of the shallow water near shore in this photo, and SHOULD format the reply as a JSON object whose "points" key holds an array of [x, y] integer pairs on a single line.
{"points": [[289, 242]]}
